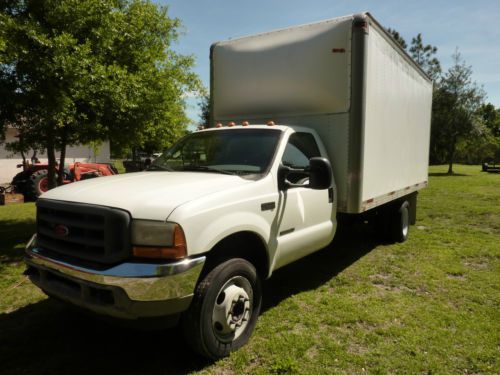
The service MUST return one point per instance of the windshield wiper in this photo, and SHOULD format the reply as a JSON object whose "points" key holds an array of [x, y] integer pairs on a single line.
{"points": [[204, 168]]}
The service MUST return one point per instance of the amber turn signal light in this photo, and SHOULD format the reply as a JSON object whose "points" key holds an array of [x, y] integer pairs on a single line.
{"points": [[175, 252]]}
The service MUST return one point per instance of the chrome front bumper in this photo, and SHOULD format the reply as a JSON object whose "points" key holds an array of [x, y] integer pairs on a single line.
{"points": [[128, 290]]}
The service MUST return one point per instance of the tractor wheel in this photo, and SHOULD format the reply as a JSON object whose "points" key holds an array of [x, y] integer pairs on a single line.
{"points": [[19, 182], [38, 184]]}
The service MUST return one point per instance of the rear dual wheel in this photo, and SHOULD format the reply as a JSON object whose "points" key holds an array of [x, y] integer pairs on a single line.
{"points": [[393, 221], [224, 309], [399, 225]]}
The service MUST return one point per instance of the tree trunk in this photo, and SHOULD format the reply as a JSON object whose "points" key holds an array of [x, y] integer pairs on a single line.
{"points": [[451, 154], [25, 162], [51, 155], [60, 176]]}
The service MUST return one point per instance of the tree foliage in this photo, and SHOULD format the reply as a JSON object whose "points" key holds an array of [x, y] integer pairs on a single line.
{"points": [[204, 106], [398, 38], [491, 117], [486, 146], [425, 56], [75, 71], [455, 116]]}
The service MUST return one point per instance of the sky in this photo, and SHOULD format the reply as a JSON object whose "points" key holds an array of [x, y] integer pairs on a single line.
{"points": [[472, 26]]}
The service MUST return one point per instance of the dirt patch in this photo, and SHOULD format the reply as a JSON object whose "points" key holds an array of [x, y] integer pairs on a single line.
{"points": [[478, 264]]}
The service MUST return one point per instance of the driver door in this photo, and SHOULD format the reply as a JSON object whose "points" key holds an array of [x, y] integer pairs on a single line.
{"points": [[305, 217]]}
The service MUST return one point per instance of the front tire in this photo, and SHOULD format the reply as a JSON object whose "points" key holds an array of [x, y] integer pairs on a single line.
{"points": [[224, 310]]}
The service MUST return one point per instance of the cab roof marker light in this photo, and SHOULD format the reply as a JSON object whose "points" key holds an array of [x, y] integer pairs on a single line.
{"points": [[218, 125], [231, 124], [270, 123], [245, 123]]}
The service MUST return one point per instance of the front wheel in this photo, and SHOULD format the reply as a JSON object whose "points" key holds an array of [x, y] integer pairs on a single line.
{"points": [[224, 309]]}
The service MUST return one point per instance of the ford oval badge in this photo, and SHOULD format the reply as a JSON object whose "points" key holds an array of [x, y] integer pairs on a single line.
{"points": [[61, 230]]}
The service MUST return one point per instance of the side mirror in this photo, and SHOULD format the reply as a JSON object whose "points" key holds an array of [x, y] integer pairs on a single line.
{"points": [[320, 173], [282, 174]]}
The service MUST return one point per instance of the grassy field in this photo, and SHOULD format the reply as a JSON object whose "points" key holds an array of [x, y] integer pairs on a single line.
{"points": [[430, 305]]}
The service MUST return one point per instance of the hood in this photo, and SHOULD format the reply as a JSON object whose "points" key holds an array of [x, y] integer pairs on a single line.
{"points": [[146, 195]]}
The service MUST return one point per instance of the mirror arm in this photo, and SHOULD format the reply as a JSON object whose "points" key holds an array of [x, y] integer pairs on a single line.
{"points": [[290, 169], [289, 184]]}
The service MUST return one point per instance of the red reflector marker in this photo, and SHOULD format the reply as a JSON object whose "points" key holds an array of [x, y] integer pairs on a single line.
{"points": [[361, 24]]}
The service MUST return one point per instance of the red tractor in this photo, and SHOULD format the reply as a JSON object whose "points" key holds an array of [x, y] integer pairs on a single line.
{"points": [[33, 180]]}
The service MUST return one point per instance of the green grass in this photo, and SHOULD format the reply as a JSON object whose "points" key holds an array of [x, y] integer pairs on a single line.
{"points": [[430, 305], [17, 224], [118, 164]]}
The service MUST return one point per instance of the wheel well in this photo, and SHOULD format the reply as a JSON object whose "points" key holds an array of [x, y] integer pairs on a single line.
{"points": [[245, 245]]}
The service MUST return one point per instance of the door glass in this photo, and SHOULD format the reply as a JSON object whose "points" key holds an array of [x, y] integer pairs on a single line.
{"points": [[300, 148]]}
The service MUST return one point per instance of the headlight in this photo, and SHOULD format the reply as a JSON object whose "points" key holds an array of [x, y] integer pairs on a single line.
{"points": [[157, 239]]}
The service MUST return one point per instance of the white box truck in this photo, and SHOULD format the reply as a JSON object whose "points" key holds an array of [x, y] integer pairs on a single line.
{"points": [[193, 236]]}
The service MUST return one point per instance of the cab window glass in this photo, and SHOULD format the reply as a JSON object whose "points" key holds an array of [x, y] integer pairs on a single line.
{"points": [[300, 148]]}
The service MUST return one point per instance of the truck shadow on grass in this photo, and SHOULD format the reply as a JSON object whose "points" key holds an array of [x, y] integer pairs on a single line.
{"points": [[50, 338], [13, 235], [350, 244], [445, 174]]}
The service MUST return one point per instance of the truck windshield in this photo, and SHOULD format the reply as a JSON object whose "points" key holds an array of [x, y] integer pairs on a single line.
{"points": [[231, 151]]}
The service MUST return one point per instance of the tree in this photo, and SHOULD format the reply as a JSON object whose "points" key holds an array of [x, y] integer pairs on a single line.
{"points": [[204, 106], [486, 146], [457, 100], [491, 118], [424, 55], [26, 139], [81, 71], [398, 38]]}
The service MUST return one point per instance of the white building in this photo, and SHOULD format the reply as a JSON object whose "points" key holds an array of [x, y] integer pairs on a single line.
{"points": [[9, 160]]}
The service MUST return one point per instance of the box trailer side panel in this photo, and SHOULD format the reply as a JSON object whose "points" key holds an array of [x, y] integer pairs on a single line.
{"points": [[368, 101], [300, 70], [398, 99]]}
